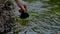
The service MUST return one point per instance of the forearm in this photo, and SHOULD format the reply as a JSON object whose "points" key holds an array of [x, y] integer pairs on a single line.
{"points": [[20, 4]]}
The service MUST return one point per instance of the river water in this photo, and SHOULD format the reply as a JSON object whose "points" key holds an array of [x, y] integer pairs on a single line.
{"points": [[44, 18]]}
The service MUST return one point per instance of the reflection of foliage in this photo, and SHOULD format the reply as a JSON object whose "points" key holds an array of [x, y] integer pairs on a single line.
{"points": [[23, 22], [55, 10], [19, 23], [30, 0], [36, 15], [53, 2], [49, 18]]}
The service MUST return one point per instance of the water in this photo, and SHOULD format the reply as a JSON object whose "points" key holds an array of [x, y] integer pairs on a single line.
{"points": [[44, 18]]}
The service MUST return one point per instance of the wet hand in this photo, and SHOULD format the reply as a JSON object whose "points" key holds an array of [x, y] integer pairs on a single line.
{"points": [[23, 8]]}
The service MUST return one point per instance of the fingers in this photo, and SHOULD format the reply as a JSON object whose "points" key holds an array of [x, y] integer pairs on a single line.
{"points": [[25, 6], [22, 6]]}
